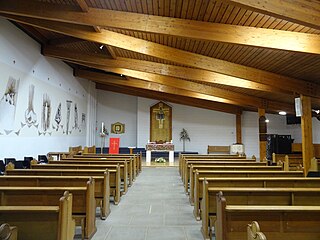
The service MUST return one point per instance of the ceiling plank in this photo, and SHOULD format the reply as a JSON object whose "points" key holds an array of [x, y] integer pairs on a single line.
{"points": [[250, 36], [107, 78], [303, 12], [170, 98], [162, 69], [64, 40]]}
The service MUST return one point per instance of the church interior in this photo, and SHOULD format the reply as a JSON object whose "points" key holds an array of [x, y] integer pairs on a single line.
{"points": [[159, 119]]}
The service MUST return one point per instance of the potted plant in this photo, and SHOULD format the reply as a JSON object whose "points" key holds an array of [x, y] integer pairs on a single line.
{"points": [[184, 136]]}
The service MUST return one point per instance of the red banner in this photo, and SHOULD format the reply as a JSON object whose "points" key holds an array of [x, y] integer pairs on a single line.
{"points": [[114, 145]]}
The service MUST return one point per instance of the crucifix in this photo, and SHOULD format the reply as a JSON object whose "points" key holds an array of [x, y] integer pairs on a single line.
{"points": [[160, 114]]}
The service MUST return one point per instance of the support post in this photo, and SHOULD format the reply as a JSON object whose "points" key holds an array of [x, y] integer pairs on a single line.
{"points": [[262, 134], [238, 128], [306, 128]]}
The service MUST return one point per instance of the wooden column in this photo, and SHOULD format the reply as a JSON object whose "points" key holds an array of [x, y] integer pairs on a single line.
{"points": [[262, 134], [238, 128], [306, 128]]}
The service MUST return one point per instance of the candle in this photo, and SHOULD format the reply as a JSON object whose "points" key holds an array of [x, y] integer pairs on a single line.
{"points": [[102, 127]]}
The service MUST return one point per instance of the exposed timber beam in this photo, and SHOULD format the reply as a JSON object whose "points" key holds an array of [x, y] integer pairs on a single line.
{"points": [[83, 5], [136, 83], [171, 98], [250, 36], [162, 69], [303, 12], [175, 55], [236, 98]]}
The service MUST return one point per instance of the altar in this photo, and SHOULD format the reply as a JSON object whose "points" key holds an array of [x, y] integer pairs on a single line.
{"points": [[154, 147]]}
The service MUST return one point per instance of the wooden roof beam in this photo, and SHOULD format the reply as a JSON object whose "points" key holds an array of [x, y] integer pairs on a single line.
{"points": [[176, 55], [162, 69], [250, 36], [107, 78], [235, 98], [303, 12], [170, 98]]}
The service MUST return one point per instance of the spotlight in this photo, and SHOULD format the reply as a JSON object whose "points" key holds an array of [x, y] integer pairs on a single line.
{"points": [[101, 47], [283, 113], [267, 120]]}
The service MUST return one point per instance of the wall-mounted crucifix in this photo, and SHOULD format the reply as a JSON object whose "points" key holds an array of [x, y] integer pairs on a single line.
{"points": [[160, 122]]}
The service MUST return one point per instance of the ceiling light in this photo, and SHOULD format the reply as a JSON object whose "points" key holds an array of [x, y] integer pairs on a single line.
{"points": [[121, 75], [101, 47], [316, 111], [267, 120], [283, 113]]}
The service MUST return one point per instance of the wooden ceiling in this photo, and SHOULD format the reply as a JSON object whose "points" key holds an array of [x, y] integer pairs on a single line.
{"points": [[230, 55]]}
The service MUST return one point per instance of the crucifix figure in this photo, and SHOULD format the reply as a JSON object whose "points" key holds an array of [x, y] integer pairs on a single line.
{"points": [[160, 114]]}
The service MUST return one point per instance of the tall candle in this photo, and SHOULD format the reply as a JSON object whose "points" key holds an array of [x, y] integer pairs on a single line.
{"points": [[102, 126]]}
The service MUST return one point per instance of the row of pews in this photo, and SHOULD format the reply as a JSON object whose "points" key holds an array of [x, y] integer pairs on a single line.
{"points": [[228, 192], [49, 200]]}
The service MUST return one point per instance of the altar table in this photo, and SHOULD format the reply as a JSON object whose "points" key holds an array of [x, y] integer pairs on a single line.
{"points": [[166, 147]]}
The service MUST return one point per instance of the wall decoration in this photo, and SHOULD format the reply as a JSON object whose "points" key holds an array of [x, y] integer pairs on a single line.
{"points": [[46, 112], [30, 115], [76, 126], [83, 119], [57, 118], [68, 116], [117, 128], [8, 104]]}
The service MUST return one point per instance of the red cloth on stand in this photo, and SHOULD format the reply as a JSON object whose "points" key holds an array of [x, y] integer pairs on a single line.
{"points": [[114, 145]]}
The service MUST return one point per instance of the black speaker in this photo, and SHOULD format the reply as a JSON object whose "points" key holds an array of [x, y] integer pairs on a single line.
{"points": [[280, 144]]}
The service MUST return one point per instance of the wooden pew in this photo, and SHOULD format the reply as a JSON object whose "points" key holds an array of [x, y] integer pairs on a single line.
{"points": [[254, 233], [190, 163], [131, 162], [137, 158], [278, 222], [189, 178], [291, 162], [83, 207], [269, 182], [42, 222], [254, 196], [184, 158], [187, 162], [114, 176], [123, 169], [101, 192], [98, 161], [218, 149], [89, 150]]}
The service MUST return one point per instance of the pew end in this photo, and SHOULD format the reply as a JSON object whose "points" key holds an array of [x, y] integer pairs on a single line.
{"points": [[8, 232], [254, 233]]}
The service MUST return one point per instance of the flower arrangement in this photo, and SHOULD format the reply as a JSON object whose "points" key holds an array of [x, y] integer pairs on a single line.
{"points": [[160, 160]]}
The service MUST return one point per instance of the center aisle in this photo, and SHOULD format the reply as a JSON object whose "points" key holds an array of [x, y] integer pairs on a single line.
{"points": [[155, 207]]}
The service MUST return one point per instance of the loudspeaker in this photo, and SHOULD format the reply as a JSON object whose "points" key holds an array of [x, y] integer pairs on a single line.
{"points": [[298, 108]]}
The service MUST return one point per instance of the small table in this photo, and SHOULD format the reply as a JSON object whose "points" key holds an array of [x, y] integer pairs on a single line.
{"points": [[166, 147]]}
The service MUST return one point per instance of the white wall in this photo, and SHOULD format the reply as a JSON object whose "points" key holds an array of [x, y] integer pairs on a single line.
{"points": [[112, 108], [204, 126], [20, 59]]}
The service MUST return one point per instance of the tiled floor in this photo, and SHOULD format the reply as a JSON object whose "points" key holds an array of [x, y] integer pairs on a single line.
{"points": [[155, 207]]}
